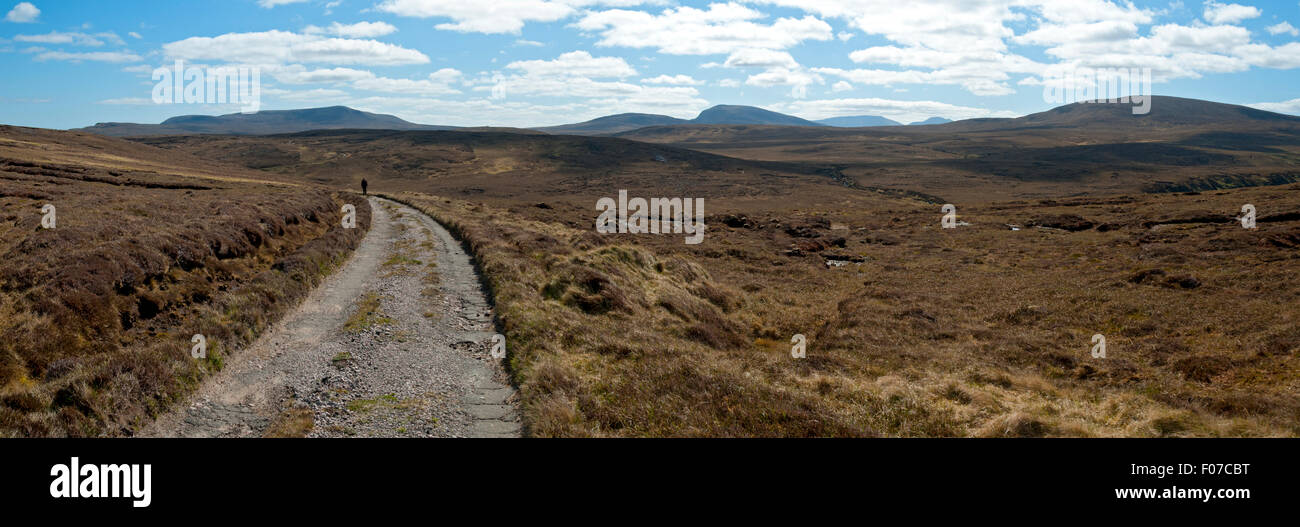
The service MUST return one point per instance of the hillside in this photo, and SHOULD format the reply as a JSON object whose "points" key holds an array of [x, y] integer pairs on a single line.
{"points": [[613, 124], [484, 165], [732, 114], [1182, 144], [263, 122]]}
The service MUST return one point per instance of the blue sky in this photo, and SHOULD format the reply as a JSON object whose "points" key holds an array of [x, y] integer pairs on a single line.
{"points": [[546, 62]]}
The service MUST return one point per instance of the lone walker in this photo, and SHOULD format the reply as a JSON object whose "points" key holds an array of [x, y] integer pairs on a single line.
{"points": [[363, 186]]}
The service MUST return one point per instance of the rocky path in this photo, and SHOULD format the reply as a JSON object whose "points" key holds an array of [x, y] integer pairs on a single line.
{"points": [[395, 344]]}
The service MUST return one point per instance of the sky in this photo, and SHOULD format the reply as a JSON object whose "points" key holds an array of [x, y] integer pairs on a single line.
{"points": [[547, 62]]}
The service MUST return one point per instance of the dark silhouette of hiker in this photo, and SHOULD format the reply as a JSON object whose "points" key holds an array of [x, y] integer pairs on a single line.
{"points": [[363, 186]]}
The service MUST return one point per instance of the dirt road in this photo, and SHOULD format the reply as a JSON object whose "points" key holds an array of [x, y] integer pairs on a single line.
{"points": [[394, 344]]}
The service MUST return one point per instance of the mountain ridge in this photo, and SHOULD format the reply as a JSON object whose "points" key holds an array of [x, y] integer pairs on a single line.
{"points": [[263, 123]]}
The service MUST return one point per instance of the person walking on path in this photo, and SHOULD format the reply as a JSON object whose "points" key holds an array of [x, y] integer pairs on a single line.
{"points": [[363, 186]]}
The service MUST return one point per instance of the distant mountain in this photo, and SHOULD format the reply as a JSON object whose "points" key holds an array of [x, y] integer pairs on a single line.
{"points": [[932, 120], [1163, 110], [1116, 121], [264, 122], [732, 114], [612, 124], [859, 121], [723, 114]]}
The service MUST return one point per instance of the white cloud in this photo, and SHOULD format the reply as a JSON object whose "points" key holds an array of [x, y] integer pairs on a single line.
{"points": [[675, 80], [282, 47], [729, 83], [1217, 13], [959, 42], [1288, 107], [72, 38], [783, 77], [128, 101], [357, 30], [1284, 27], [575, 64], [272, 3], [579, 75], [317, 96], [299, 74], [841, 86], [760, 58], [96, 56], [133, 34], [24, 12], [901, 111], [491, 16], [966, 43], [720, 29], [438, 83]]}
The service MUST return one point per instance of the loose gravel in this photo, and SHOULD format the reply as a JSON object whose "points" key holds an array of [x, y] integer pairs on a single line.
{"points": [[416, 363]]}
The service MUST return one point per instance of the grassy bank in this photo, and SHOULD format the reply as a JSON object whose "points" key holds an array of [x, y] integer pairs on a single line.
{"points": [[97, 314]]}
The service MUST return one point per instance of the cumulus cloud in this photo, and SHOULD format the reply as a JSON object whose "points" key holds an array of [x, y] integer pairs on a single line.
{"points": [[357, 30], [283, 47], [597, 80], [494, 16], [437, 83], [23, 13], [720, 29], [575, 64], [1217, 13], [967, 43], [1283, 28]]}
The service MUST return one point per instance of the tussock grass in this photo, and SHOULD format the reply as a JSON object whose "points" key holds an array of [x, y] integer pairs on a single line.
{"points": [[981, 331]]}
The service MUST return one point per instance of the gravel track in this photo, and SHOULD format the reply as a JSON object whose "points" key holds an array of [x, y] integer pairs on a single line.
{"points": [[416, 365]]}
